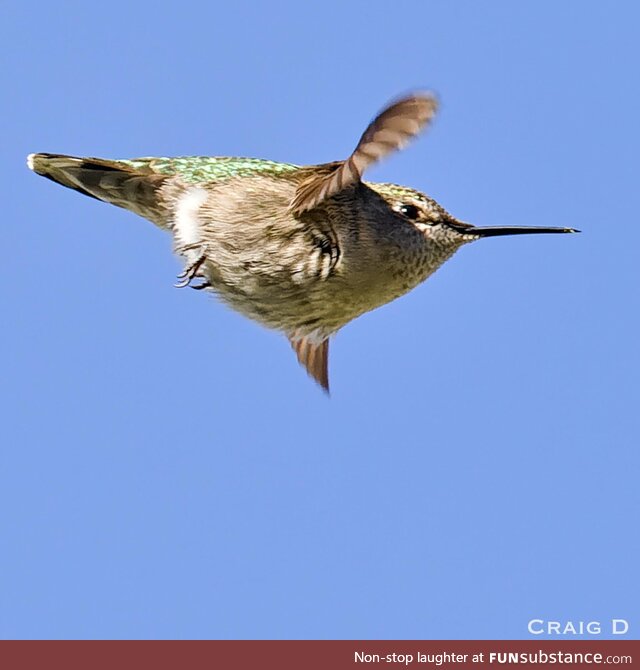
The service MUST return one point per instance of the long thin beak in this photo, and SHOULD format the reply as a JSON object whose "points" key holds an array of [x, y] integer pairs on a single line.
{"points": [[495, 231]]}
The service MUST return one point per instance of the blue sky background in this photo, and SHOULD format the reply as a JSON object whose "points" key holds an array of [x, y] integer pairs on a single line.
{"points": [[167, 470]]}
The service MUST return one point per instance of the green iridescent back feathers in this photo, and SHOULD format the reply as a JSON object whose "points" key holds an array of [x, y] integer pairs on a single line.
{"points": [[200, 169]]}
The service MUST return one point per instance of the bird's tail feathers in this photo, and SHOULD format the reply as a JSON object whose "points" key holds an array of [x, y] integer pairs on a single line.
{"points": [[111, 181]]}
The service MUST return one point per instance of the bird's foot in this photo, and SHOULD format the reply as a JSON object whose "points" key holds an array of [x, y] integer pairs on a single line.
{"points": [[199, 287], [191, 271]]}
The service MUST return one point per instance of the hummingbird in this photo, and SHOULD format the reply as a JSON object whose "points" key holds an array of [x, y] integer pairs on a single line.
{"points": [[303, 250]]}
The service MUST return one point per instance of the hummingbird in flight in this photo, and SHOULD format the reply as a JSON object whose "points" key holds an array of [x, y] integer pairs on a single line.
{"points": [[300, 249]]}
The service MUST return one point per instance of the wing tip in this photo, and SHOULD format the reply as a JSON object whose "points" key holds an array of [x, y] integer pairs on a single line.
{"points": [[416, 108], [314, 357], [423, 96]]}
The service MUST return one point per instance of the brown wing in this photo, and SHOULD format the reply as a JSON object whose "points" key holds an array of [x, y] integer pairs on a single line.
{"points": [[389, 131], [315, 358]]}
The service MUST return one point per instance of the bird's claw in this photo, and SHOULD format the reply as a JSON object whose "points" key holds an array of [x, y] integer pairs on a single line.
{"points": [[190, 272]]}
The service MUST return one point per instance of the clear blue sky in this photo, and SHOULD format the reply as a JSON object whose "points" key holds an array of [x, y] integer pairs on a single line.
{"points": [[167, 469]]}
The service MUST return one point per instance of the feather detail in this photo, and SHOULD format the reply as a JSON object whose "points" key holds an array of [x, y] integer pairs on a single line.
{"points": [[112, 181], [314, 356], [390, 131]]}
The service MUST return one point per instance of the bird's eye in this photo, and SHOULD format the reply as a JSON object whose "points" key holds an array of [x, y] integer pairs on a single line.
{"points": [[410, 211]]}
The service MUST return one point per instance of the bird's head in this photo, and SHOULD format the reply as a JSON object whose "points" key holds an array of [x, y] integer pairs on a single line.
{"points": [[440, 227]]}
